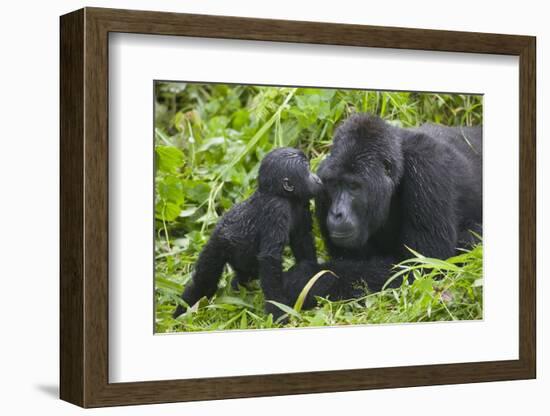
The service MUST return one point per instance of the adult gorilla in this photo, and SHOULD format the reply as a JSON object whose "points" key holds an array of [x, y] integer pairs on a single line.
{"points": [[386, 189]]}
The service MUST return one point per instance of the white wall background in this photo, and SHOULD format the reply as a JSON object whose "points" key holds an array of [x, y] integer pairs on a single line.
{"points": [[29, 213]]}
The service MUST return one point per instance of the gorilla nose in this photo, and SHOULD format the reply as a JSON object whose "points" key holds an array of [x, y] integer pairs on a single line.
{"points": [[336, 216], [338, 224], [335, 220]]}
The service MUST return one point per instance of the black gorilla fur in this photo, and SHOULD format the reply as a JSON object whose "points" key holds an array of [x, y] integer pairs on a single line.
{"points": [[386, 189], [251, 236]]}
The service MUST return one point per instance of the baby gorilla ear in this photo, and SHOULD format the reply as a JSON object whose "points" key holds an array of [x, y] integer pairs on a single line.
{"points": [[287, 185]]}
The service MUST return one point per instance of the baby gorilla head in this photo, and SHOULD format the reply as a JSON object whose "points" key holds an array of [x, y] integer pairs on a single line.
{"points": [[285, 172]]}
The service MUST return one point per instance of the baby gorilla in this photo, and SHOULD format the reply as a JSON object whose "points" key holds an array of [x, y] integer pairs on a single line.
{"points": [[251, 236]]}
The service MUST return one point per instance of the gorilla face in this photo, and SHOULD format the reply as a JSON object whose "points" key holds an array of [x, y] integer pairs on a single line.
{"points": [[347, 210], [285, 172], [360, 177]]}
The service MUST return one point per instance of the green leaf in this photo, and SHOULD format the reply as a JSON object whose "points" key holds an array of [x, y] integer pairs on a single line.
{"points": [[318, 319], [424, 285], [240, 118], [169, 158], [197, 191], [167, 211], [217, 125], [168, 285], [212, 142], [188, 212], [170, 189]]}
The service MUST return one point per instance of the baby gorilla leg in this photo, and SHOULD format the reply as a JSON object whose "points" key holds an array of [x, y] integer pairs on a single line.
{"points": [[241, 279], [205, 279]]}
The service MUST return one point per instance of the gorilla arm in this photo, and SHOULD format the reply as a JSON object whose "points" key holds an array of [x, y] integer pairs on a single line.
{"points": [[351, 280]]}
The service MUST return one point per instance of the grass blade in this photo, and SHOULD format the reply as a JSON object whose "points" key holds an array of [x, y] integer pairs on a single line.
{"points": [[286, 309], [302, 297]]}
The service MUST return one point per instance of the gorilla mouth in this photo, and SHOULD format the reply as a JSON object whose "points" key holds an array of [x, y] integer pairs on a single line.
{"points": [[343, 239], [342, 235]]}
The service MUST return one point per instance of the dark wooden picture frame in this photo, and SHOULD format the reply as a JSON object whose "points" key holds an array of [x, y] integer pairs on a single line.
{"points": [[84, 207]]}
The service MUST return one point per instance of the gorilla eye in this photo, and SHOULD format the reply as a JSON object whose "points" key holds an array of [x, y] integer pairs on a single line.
{"points": [[354, 186], [387, 167], [287, 185]]}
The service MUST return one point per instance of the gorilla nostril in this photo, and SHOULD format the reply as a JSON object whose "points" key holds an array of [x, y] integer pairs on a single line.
{"points": [[336, 216]]}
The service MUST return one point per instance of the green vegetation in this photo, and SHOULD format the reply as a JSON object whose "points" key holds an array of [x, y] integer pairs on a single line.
{"points": [[209, 141]]}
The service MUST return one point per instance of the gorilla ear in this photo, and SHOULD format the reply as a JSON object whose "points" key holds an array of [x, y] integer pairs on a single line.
{"points": [[388, 167], [287, 185]]}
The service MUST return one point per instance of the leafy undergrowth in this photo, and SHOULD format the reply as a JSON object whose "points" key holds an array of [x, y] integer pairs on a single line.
{"points": [[435, 290]]}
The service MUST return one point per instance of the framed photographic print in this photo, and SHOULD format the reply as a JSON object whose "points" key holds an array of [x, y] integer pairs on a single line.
{"points": [[256, 207]]}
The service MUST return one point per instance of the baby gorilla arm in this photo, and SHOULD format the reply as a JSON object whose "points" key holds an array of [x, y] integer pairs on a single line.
{"points": [[301, 238]]}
